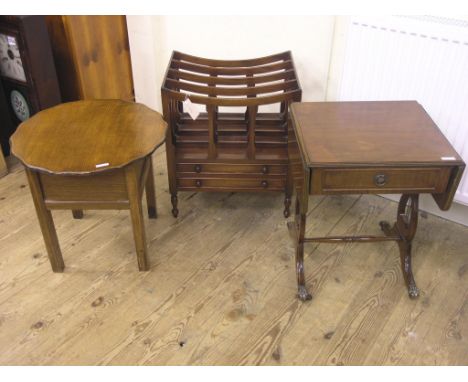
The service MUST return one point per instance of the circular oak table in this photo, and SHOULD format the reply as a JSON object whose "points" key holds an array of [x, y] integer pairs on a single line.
{"points": [[93, 154]]}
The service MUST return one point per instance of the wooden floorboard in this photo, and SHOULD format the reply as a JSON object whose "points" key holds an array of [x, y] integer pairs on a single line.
{"points": [[221, 286]]}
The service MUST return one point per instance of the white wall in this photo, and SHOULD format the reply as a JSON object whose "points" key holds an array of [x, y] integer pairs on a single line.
{"points": [[143, 43], [153, 38]]}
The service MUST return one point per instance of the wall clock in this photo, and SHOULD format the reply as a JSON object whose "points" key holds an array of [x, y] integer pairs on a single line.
{"points": [[27, 69]]}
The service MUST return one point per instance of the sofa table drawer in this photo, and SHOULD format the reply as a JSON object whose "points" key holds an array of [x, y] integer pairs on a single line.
{"points": [[380, 180]]}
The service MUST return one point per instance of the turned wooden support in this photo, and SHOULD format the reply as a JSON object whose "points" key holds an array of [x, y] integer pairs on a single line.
{"points": [[405, 228], [300, 222], [169, 109], [403, 232], [212, 138], [252, 111]]}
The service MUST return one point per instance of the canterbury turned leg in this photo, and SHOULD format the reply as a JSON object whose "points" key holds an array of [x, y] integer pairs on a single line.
{"points": [[46, 223], [168, 110], [405, 227], [150, 191], [136, 213], [300, 221]]}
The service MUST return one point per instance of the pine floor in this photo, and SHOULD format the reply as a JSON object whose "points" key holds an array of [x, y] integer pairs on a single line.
{"points": [[221, 289]]}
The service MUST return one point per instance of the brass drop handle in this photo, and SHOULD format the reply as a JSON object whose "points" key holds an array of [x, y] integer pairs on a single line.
{"points": [[197, 168], [264, 184], [265, 170], [198, 183], [380, 180]]}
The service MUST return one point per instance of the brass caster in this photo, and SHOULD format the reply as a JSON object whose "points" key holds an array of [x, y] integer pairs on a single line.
{"points": [[413, 292]]}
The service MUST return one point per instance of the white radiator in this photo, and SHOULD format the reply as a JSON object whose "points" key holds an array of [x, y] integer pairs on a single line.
{"points": [[413, 58]]}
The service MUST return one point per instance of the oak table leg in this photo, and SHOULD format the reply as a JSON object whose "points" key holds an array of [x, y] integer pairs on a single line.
{"points": [[136, 213], [150, 192], [46, 223], [405, 227]]}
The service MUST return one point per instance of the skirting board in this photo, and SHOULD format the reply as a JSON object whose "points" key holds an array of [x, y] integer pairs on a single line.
{"points": [[458, 213]]}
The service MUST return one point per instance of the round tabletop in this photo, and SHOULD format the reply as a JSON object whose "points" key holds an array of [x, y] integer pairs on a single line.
{"points": [[88, 136]]}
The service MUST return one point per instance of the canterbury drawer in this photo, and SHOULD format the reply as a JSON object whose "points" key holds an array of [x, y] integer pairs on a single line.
{"points": [[380, 180], [227, 168], [240, 184]]}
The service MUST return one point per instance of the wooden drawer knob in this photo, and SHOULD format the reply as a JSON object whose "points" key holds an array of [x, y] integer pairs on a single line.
{"points": [[380, 180], [197, 168], [265, 170], [264, 184], [198, 183]]}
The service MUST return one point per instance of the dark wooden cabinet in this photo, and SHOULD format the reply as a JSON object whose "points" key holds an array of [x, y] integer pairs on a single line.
{"points": [[6, 122], [233, 146], [92, 57], [28, 76]]}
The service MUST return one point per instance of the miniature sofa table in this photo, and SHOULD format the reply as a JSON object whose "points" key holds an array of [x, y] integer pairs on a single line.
{"points": [[93, 154], [369, 148]]}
